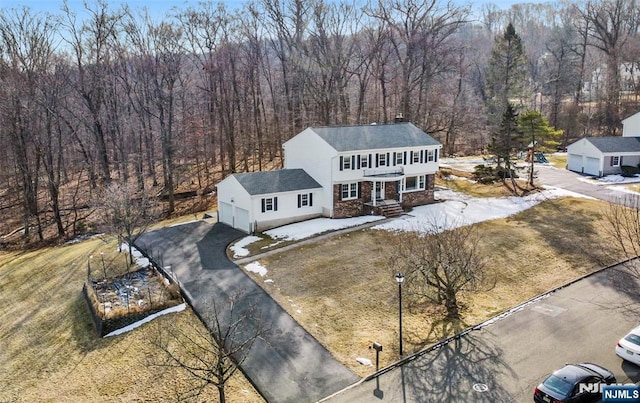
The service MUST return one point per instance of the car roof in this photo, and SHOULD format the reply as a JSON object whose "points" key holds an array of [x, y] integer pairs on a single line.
{"points": [[573, 373]]}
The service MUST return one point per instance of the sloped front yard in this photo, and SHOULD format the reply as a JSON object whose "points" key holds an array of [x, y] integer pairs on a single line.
{"points": [[342, 290]]}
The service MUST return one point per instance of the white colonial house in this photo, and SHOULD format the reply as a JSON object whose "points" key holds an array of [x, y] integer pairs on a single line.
{"points": [[335, 172], [600, 156]]}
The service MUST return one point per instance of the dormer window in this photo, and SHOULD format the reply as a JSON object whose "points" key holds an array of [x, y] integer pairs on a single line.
{"points": [[415, 155], [382, 159]]}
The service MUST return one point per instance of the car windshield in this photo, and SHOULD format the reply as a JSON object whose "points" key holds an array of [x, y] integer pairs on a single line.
{"points": [[633, 338], [558, 385]]}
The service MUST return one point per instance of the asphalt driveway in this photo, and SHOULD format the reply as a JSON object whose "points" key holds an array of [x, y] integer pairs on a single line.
{"points": [[287, 364]]}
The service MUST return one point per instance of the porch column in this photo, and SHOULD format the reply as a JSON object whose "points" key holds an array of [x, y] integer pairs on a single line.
{"points": [[374, 184]]}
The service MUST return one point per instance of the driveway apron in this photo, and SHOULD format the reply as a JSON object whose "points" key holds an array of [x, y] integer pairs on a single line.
{"points": [[286, 364]]}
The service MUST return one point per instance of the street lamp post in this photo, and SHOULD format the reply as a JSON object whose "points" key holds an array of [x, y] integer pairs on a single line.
{"points": [[400, 278]]}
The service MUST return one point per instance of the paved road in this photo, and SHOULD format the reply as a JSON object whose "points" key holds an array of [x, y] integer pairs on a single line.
{"points": [[287, 364], [582, 184], [505, 360]]}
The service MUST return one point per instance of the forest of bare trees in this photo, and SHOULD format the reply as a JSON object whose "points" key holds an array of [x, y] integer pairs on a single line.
{"points": [[172, 105]]}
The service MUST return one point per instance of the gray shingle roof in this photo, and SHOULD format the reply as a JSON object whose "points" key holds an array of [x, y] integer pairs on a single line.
{"points": [[371, 137], [283, 180], [616, 144]]}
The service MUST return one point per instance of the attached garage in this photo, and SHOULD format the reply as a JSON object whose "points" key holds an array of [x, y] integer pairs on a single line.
{"points": [[257, 201]]}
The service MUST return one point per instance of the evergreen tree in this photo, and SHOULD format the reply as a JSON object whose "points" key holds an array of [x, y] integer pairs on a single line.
{"points": [[538, 135], [506, 140], [507, 75]]}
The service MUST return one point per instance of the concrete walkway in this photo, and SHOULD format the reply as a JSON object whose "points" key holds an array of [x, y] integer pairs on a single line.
{"points": [[287, 364]]}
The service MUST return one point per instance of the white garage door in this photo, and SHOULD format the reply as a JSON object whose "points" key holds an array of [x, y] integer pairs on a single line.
{"points": [[242, 219], [574, 162], [226, 213], [592, 166]]}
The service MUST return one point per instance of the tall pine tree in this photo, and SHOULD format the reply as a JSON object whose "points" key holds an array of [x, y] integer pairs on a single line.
{"points": [[508, 73]]}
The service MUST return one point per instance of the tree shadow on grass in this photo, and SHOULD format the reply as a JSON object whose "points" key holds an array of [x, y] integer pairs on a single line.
{"points": [[568, 234]]}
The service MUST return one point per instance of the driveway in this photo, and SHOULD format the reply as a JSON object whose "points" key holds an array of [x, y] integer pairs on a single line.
{"points": [[287, 364], [505, 359]]}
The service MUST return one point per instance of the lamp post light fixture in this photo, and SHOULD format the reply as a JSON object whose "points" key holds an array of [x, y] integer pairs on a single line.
{"points": [[400, 278]]}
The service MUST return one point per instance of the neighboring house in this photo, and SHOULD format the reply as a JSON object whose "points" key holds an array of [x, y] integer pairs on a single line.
{"points": [[344, 171], [600, 156]]}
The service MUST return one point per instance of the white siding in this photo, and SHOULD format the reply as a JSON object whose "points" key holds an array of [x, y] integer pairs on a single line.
{"points": [[631, 126]]}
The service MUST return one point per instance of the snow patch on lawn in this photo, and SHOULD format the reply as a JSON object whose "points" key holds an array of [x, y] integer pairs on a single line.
{"points": [[149, 318], [306, 229], [239, 248], [256, 267]]}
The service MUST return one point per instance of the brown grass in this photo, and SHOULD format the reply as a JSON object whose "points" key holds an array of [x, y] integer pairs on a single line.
{"points": [[342, 290], [50, 351]]}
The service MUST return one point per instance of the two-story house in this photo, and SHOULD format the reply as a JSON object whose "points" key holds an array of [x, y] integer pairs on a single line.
{"points": [[335, 172]]}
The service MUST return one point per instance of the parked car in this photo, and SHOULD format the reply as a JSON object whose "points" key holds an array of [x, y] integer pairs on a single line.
{"points": [[628, 348], [564, 384]]}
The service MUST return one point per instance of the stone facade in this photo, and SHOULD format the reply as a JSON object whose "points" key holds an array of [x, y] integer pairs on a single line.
{"points": [[357, 207], [422, 197], [347, 208]]}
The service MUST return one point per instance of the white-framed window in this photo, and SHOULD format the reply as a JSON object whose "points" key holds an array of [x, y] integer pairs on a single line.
{"points": [[346, 163], [414, 183], [382, 159], [615, 161], [269, 204], [415, 156], [349, 191], [364, 161], [430, 155], [305, 200], [399, 158]]}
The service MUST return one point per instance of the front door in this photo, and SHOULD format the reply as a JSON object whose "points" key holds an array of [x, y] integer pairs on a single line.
{"points": [[379, 190]]}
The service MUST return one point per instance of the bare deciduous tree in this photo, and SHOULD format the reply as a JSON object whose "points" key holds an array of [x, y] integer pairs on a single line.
{"points": [[212, 353], [128, 212], [439, 265]]}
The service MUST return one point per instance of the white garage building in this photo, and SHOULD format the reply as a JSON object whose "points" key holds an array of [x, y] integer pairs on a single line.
{"points": [[600, 156], [257, 201]]}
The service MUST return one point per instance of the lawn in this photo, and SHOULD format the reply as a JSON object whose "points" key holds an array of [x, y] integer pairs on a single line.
{"points": [[342, 289], [50, 351]]}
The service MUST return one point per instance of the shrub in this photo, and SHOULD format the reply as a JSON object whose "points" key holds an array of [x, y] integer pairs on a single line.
{"points": [[628, 170]]}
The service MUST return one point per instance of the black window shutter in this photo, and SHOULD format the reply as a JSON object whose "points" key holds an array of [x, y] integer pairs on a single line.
{"points": [[411, 156], [369, 164], [404, 160], [377, 159], [353, 162], [388, 158], [422, 156], [611, 161], [299, 201], [394, 158], [341, 158], [359, 189], [263, 205], [275, 204], [359, 161], [435, 152], [310, 199], [621, 160]]}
